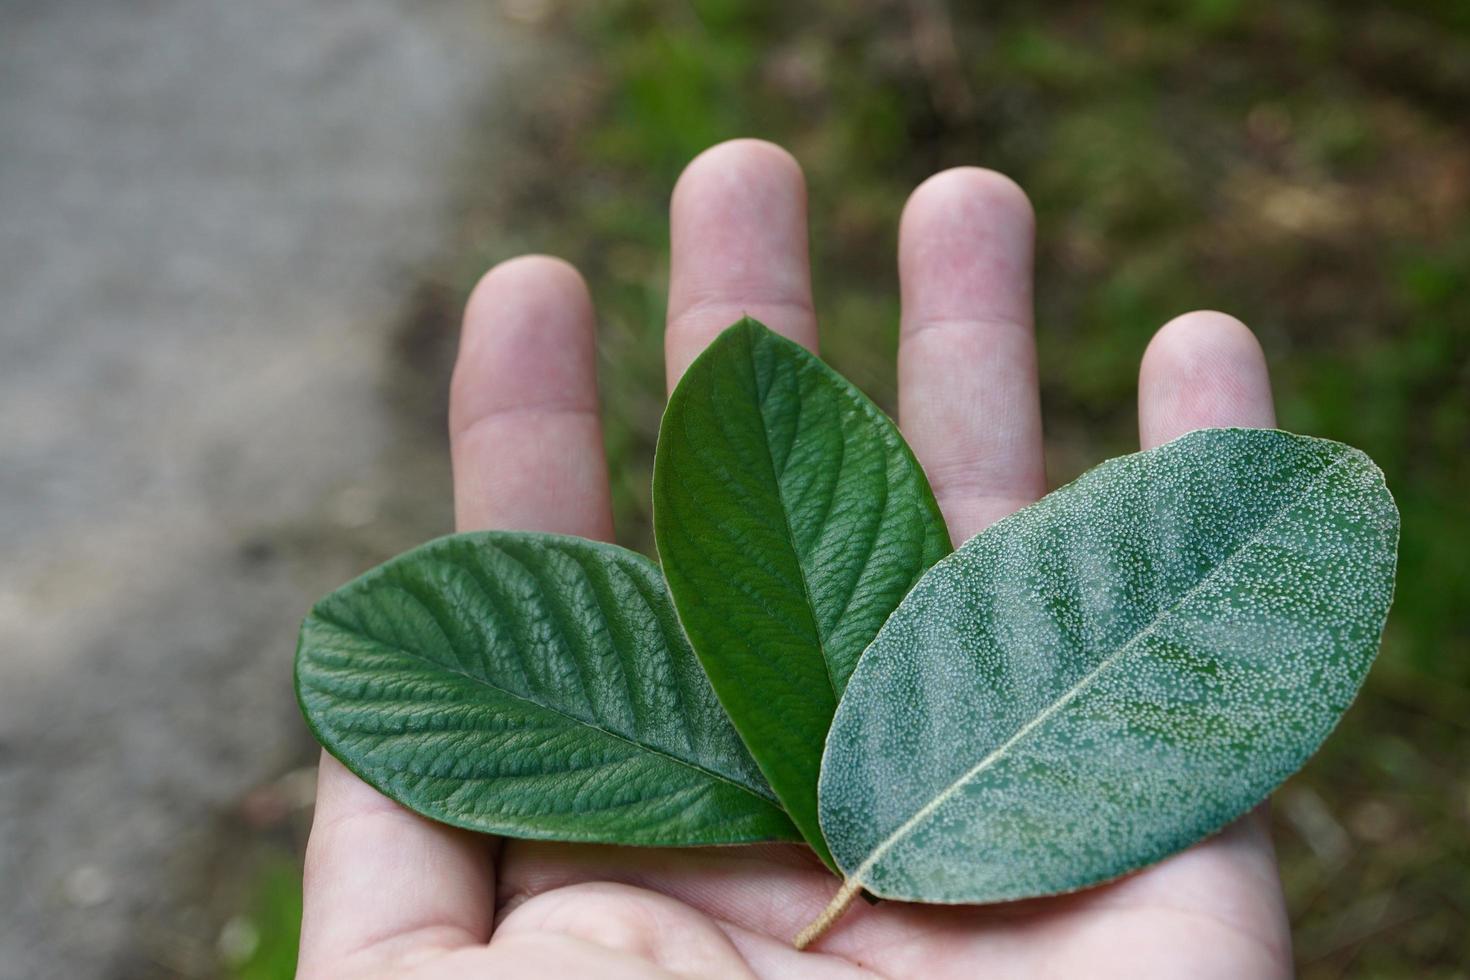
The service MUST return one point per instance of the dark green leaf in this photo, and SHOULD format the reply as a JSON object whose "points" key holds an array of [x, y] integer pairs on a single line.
{"points": [[1114, 673], [791, 518], [532, 685]]}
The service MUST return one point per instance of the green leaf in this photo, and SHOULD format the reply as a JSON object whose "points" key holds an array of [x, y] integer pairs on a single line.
{"points": [[791, 518], [531, 685], [1114, 673]]}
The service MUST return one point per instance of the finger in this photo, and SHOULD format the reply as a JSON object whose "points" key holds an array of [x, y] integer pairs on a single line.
{"points": [[729, 884], [381, 882], [738, 247], [1201, 370], [1205, 369], [968, 400], [526, 439], [527, 453], [662, 933]]}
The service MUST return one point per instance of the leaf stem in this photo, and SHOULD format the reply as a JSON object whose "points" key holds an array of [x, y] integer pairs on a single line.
{"points": [[840, 903]]}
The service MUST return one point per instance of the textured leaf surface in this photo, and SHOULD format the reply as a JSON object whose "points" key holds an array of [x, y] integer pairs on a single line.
{"points": [[791, 518], [1114, 673], [532, 685]]}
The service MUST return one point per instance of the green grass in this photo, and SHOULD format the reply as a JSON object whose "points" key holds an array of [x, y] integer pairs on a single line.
{"points": [[268, 929]]}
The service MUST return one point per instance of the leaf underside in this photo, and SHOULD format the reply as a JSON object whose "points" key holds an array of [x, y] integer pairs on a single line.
{"points": [[791, 518], [531, 685], [1114, 673]]}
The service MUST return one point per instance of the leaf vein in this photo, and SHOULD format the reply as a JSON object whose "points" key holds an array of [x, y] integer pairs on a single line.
{"points": [[940, 799]]}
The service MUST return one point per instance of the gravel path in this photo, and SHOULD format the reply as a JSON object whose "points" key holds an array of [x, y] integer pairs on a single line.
{"points": [[210, 214]]}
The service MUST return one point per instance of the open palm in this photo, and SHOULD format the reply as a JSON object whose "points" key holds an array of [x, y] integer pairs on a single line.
{"points": [[389, 893]]}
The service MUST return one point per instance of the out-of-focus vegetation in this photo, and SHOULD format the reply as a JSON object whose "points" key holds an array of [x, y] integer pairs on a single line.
{"points": [[261, 943], [1303, 165]]}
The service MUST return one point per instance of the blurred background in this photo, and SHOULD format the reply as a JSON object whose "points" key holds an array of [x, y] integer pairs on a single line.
{"points": [[235, 238]]}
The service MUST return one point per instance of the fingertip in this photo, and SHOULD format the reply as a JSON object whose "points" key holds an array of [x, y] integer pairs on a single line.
{"points": [[528, 329], [1191, 340], [965, 246], [961, 190], [1202, 369], [664, 934], [745, 160], [533, 283]]}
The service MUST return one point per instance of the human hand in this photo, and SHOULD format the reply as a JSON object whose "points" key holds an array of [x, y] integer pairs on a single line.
{"points": [[389, 893]]}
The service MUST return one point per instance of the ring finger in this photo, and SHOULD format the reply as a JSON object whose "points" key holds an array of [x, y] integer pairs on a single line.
{"points": [[968, 399]]}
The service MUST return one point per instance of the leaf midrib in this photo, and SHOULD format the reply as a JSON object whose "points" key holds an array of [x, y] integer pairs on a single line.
{"points": [[806, 593], [927, 810], [337, 624]]}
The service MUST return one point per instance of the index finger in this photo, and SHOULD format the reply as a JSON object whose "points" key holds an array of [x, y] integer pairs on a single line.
{"points": [[382, 882]]}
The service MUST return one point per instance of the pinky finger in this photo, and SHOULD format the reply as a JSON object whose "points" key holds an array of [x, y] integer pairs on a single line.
{"points": [[1204, 370]]}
